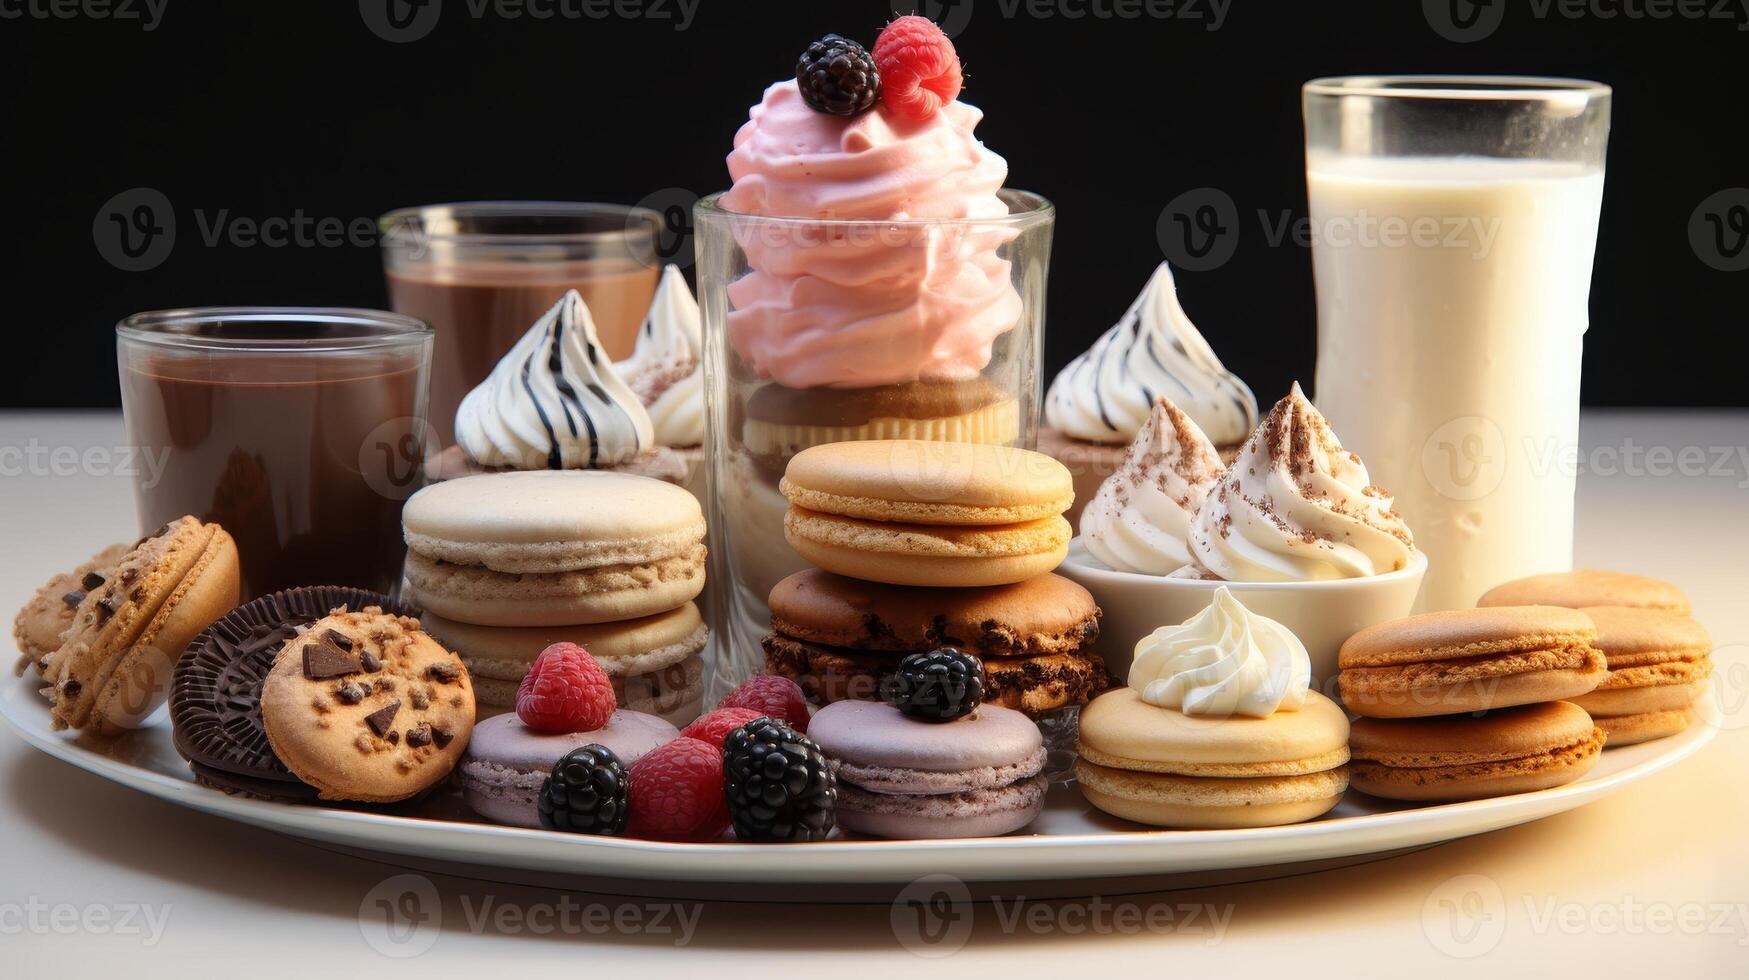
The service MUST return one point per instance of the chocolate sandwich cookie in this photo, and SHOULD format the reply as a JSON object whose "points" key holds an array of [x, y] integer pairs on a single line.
{"points": [[364, 706], [215, 697], [48, 614], [840, 637], [784, 421]]}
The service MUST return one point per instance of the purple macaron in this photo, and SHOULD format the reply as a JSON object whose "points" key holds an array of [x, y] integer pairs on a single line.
{"points": [[506, 763], [902, 778]]}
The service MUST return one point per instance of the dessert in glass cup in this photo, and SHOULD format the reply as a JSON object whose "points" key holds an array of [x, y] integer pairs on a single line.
{"points": [[866, 276]]}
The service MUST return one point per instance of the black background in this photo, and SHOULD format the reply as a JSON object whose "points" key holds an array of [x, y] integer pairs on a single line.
{"points": [[259, 110]]}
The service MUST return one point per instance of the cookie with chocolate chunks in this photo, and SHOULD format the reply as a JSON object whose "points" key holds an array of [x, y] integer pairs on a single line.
{"points": [[215, 695], [364, 706]]}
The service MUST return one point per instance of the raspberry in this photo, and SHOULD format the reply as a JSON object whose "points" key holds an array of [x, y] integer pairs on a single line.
{"points": [[773, 696], [712, 727], [677, 793], [920, 71], [565, 691]]}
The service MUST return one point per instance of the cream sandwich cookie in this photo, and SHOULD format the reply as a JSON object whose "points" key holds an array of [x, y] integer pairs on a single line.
{"points": [[653, 661], [1659, 663], [903, 778], [553, 548]]}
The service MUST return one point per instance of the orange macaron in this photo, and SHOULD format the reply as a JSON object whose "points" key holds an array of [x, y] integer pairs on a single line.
{"points": [[1659, 663], [1468, 757]]}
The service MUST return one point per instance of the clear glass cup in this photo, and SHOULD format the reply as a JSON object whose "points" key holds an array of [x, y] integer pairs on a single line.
{"points": [[482, 272], [1455, 222], [299, 430], [820, 331]]}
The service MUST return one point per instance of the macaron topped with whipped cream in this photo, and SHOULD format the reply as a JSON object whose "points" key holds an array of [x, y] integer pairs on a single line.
{"points": [[1100, 403], [1141, 517], [1296, 506], [1217, 727]]}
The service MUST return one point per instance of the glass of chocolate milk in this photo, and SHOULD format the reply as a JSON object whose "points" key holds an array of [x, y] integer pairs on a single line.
{"points": [[300, 431], [481, 273]]}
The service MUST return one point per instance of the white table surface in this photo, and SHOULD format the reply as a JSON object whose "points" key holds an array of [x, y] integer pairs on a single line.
{"points": [[96, 880]]}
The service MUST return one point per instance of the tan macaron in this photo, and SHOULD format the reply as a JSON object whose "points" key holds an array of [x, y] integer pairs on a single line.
{"points": [[909, 512], [1468, 757], [1461, 660], [1164, 768], [114, 665], [1659, 663], [1588, 587]]}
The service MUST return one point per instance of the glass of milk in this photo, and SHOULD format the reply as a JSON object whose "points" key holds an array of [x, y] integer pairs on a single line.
{"points": [[1454, 224]]}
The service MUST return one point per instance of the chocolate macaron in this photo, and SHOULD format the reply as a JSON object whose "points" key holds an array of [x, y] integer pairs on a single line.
{"points": [[840, 637], [1466, 660], [1659, 663], [1468, 757]]}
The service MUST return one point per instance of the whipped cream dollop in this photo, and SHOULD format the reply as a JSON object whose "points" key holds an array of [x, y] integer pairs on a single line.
{"points": [[1225, 660], [666, 369], [860, 306], [554, 402], [1296, 506], [1105, 394], [1140, 519]]}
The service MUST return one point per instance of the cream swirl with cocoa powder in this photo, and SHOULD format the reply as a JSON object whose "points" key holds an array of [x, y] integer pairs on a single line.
{"points": [[1140, 519], [923, 297], [1105, 394], [554, 401], [666, 369], [1296, 506]]}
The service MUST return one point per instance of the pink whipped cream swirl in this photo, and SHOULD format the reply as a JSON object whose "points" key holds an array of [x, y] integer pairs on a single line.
{"points": [[854, 306]]}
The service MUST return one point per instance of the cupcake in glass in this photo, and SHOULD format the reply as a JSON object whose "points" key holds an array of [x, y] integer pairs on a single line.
{"points": [[1294, 527], [1099, 403], [866, 276], [555, 402]]}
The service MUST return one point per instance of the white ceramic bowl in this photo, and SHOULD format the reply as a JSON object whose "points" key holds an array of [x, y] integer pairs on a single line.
{"points": [[1321, 614]]}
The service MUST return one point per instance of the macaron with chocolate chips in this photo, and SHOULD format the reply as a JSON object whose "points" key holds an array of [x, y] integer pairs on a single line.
{"points": [[40, 624], [364, 706]]}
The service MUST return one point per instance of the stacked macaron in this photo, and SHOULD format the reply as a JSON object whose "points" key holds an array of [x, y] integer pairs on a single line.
{"points": [[1659, 658], [507, 564], [1469, 703], [1217, 728], [930, 545]]}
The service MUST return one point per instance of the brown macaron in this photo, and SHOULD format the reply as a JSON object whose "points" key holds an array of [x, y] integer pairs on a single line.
{"points": [[1469, 757], [839, 637], [1462, 660], [114, 665], [1659, 663], [1585, 587]]}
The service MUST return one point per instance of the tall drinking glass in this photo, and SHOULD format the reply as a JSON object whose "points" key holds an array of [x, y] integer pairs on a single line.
{"points": [[823, 330], [482, 272], [1455, 223]]}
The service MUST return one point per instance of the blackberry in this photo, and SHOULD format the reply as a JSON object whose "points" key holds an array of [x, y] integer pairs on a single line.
{"points": [[586, 794], [938, 686], [777, 783], [838, 76]]}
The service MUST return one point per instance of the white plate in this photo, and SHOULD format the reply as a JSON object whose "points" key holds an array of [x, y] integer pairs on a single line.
{"points": [[1068, 841]]}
